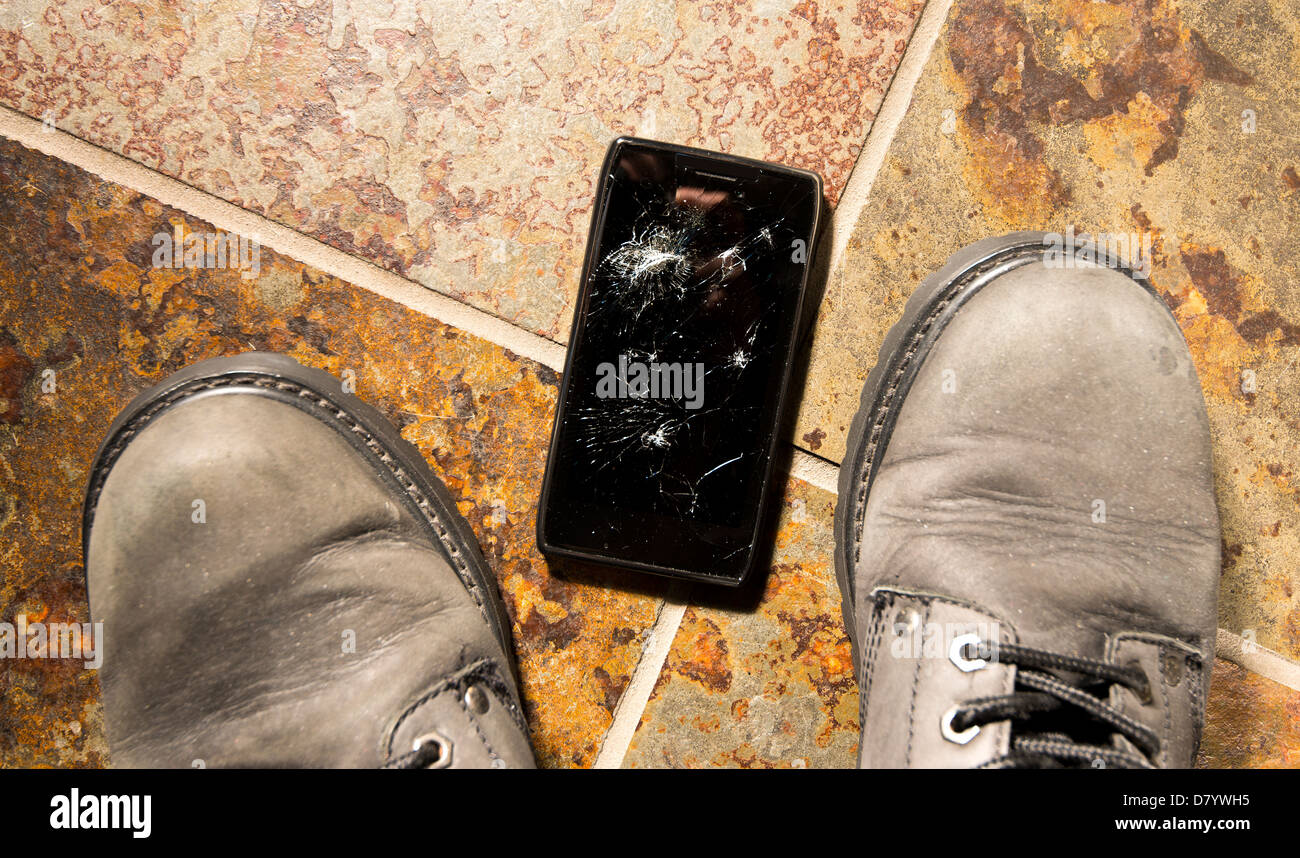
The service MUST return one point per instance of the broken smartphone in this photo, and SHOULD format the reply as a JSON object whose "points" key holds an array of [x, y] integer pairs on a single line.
{"points": [[682, 344]]}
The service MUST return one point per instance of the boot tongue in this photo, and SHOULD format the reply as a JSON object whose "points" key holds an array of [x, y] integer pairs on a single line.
{"points": [[1068, 724]]}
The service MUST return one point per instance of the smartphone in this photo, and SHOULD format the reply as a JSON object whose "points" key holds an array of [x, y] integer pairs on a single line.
{"points": [[686, 327]]}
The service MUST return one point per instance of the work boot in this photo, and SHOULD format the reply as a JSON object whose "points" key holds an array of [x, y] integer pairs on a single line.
{"points": [[283, 583], [1026, 536]]}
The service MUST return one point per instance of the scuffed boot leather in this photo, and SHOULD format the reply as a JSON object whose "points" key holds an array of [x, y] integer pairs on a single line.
{"points": [[1027, 538], [282, 582]]}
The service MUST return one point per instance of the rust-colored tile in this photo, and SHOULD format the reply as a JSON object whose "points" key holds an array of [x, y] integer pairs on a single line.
{"points": [[453, 142], [1250, 722], [81, 298], [1174, 120], [764, 686]]}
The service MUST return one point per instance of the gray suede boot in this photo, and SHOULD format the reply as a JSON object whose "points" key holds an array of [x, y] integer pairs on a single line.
{"points": [[1027, 538], [282, 582]]}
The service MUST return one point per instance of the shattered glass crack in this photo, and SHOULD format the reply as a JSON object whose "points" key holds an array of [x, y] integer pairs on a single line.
{"points": [[684, 279]]}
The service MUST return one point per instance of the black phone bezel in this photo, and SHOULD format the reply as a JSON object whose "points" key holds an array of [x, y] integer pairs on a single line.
{"points": [[718, 160]]}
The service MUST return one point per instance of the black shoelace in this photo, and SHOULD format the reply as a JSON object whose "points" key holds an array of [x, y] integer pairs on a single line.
{"points": [[1058, 722]]}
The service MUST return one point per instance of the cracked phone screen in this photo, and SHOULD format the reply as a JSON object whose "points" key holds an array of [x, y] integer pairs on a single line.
{"points": [[686, 328]]}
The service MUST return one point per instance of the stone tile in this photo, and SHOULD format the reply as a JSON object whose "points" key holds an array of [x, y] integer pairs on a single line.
{"points": [[766, 685], [81, 299], [1173, 120], [1251, 722], [456, 143]]}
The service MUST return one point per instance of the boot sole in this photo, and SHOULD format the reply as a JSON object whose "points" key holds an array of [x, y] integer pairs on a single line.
{"points": [[905, 348], [372, 435]]}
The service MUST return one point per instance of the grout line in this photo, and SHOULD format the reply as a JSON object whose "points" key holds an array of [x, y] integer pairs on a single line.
{"points": [[885, 126], [815, 470], [289, 242], [1257, 659], [631, 706]]}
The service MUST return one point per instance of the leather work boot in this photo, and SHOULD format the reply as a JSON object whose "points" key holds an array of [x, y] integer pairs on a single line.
{"points": [[283, 583], [1026, 535]]}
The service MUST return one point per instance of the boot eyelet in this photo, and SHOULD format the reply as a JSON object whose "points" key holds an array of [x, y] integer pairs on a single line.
{"points": [[1171, 664], [442, 743], [957, 738], [906, 621], [476, 700], [955, 649]]}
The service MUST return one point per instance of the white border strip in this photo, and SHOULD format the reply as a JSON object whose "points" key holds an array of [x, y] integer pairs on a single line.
{"points": [[631, 706], [231, 218], [815, 470], [1257, 659], [885, 126]]}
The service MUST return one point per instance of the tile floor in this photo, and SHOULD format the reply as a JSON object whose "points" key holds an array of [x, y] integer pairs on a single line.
{"points": [[410, 140]]}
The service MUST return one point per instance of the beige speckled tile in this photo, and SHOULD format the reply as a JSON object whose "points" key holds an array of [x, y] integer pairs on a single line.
{"points": [[1172, 119], [454, 142]]}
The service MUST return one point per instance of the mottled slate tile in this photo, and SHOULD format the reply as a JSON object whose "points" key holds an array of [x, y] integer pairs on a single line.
{"points": [[79, 296], [1250, 723], [1171, 120], [766, 685], [453, 142]]}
